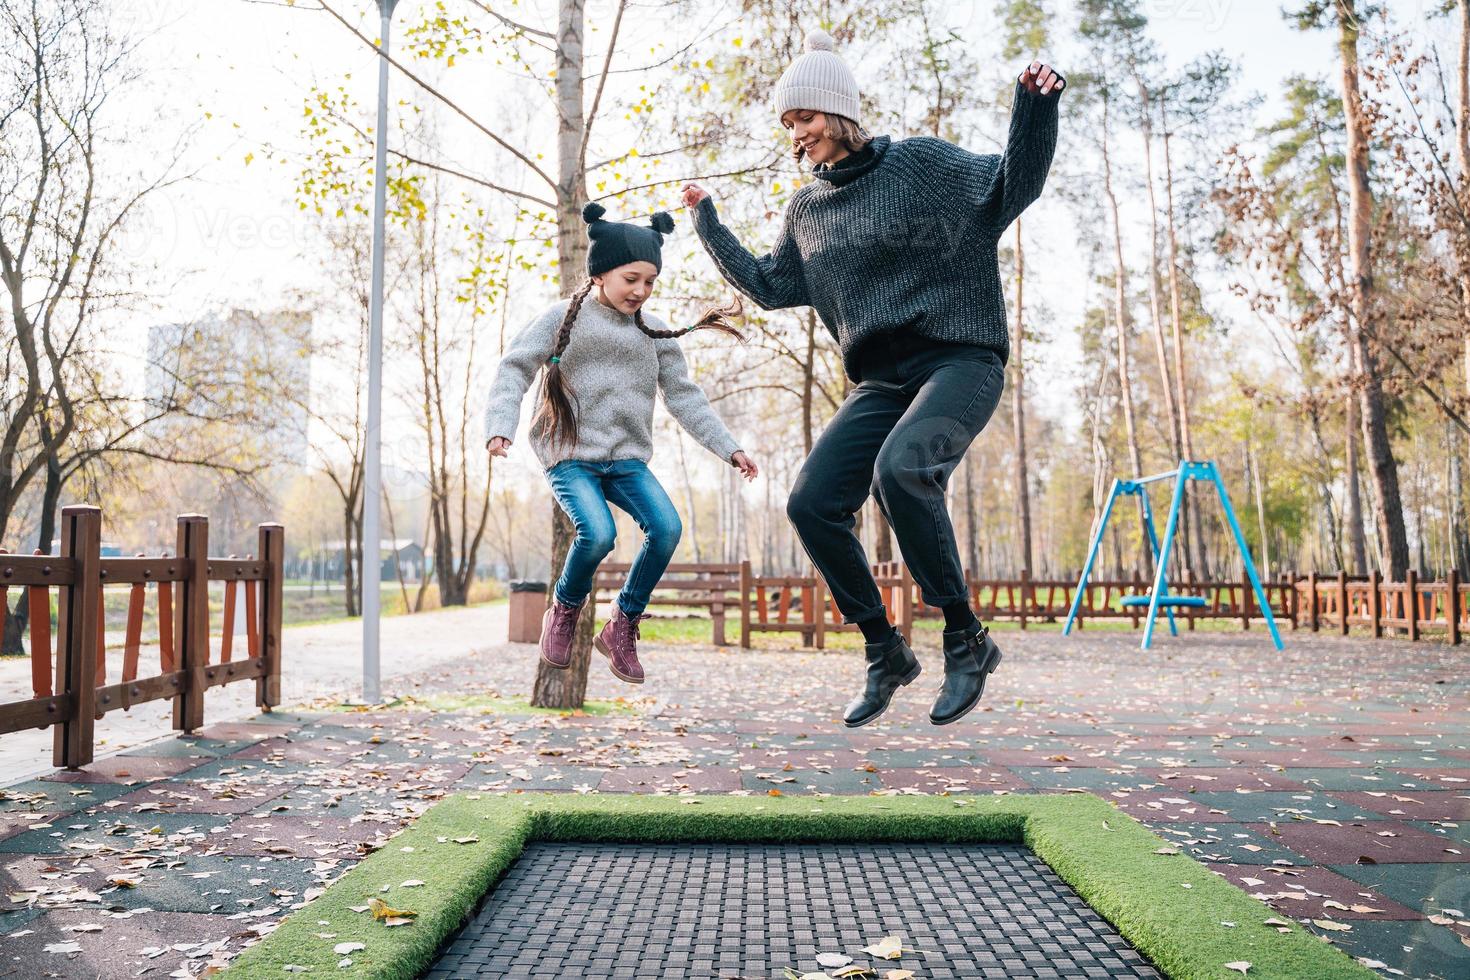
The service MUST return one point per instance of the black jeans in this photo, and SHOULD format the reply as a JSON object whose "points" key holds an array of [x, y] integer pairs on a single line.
{"points": [[899, 435]]}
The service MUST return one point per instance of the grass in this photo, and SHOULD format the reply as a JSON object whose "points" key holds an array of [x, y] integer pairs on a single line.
{"points": [[1167, 905]]}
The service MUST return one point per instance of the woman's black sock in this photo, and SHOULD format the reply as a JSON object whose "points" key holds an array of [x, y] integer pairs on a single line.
{"points": [[876, 629], [958, 616]]}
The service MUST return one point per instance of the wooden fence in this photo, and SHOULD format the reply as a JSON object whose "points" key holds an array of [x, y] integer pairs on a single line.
{"points": [[1342, 602], [70, 688], [786, 603]]}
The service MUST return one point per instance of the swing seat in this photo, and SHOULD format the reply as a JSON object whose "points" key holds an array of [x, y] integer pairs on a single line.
{"points": [[1193, 601]]}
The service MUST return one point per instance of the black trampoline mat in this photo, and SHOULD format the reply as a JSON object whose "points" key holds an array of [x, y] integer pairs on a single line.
{"points": [[750, 910]]}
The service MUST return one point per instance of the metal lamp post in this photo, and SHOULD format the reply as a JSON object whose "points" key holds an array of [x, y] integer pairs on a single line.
{"points": [[372, 691]]}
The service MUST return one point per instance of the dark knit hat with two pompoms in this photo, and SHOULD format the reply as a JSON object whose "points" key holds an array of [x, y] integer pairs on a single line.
{"points": [[616, 243]]}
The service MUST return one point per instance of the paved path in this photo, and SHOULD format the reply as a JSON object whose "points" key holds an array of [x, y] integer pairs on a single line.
{"points": [[322, 661], [1332, 780]]}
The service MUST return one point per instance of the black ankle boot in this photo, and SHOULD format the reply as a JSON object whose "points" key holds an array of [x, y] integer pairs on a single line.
{"points": [[969, 657], [891, 664]]}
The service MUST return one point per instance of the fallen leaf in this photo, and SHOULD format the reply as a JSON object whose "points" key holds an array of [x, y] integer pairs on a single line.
{"points": [[833, 959], [888, 948], [412, 883], [382, 911], [1239, 966], [1331, 925], [342, 949], [63, 948]]}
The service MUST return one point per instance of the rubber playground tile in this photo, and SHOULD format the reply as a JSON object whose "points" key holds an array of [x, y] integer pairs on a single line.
{"points": [[300, 837], [1229, 843], [1050, 757], [669, 779], [1402, 759], [811, 781], [1435, 778], [117, 949], [18, 822], [82, 835], [185, 883], [764, 758], [1326, 844], [191, 746], [1155, 807], [925, 759], [1096, 780], [53, 797], [1301, 758], [311, 752], [1224, 780], [947, 780], [241, 731], [128, 769], [526, 779], [246, 771], [1304, 891], [1454, 834], [1281, 807], [1428, 888], [1419, 948], [1417, 804], [186, 796], [1341, 779], [14, 920]]}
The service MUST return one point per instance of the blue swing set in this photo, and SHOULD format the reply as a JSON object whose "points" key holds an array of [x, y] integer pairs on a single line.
{"points": [[1159, 597]]}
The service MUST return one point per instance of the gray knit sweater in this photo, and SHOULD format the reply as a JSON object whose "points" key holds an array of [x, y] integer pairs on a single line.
{"points": [[908, 244], [614, 370]]}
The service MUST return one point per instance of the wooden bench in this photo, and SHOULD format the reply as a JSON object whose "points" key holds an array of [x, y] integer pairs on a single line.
{"points": [[705, 584]]}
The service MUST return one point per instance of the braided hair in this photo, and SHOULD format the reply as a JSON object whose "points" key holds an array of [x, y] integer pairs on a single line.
{"points": [[556, 412]]}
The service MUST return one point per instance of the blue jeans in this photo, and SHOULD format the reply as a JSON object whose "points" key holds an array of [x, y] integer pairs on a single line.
{"points": [[583, 489]]}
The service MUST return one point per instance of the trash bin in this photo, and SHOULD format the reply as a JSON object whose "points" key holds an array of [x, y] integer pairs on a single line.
{"points": [[527, 604]]}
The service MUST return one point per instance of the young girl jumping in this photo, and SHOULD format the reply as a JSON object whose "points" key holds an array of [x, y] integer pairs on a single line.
{"points": [[894, 245], [605, 360]]}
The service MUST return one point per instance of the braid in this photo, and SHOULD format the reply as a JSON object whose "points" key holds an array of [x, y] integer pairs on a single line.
{"points": [[713, 318], [556, 415]]}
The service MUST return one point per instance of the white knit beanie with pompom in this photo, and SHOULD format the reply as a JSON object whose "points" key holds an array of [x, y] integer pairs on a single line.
{"points": [[818, 80]]}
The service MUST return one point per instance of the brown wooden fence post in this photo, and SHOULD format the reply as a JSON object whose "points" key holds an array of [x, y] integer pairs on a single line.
{"points": [[1411, 603], [272, 551], [1375, 604], [745, 604], [905, 622], [1342, 602], [819, 610], [193, 627], [1314, 608], [1025, 595], [1452, 606], [76, 636], [1292, 598]]}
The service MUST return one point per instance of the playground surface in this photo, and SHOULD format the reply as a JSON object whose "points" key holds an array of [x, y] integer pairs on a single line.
{"points": [[1332, 780]]}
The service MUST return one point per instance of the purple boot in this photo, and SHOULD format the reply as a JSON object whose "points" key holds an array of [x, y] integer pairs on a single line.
{"points": [[618, 642], [558, 628]]}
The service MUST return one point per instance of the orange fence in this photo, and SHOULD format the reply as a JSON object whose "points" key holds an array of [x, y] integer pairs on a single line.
{"points": [[788, 603], [69, 681], [1413, 606]]}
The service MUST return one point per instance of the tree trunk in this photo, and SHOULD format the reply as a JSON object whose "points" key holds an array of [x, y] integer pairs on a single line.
{"points": [[568, 688], [1393, 542], [1356, 538], [1190, 513], [1018, 411], [1122, 322]]}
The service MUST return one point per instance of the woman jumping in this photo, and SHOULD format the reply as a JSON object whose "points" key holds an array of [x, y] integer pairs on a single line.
{"points": [[593, 430], [894, 246]]}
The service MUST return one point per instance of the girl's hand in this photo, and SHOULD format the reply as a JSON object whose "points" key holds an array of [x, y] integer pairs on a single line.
{"points": [[693, 194], [748, 469], [499, 445], [1040, 78]]}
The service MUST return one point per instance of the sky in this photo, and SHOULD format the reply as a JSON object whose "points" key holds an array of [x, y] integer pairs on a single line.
{"points": [[232, 236]]}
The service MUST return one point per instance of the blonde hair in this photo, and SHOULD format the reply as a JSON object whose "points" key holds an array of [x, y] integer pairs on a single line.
{"points": [[840, 128]]}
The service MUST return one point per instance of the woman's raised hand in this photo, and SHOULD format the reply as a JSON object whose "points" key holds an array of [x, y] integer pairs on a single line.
{"points": [[693, 194], [1041, 78], [498, 446], [748, 469]]}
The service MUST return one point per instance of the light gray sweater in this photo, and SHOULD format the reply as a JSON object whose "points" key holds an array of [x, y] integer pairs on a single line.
{"points": [[614, 370]]}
